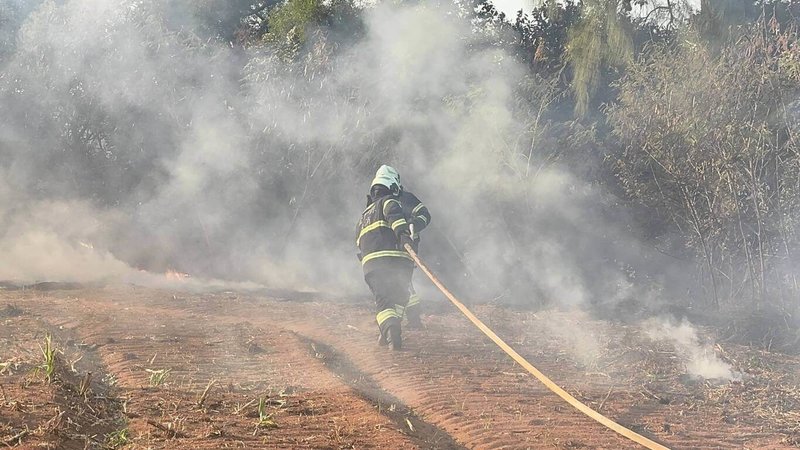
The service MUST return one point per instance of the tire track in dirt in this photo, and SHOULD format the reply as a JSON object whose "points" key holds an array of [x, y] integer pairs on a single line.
{"points": [[456, 380], [452, 393], [450, 377], [64, 408], [424, 434], [248, 362]]}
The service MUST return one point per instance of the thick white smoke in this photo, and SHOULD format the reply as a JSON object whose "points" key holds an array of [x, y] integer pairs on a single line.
{"points": [[173, 151], [699, 357], [54, 240]]}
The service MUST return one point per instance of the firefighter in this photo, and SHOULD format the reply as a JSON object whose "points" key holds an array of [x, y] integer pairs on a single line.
{"points": [[418, 217], [380, 237]]}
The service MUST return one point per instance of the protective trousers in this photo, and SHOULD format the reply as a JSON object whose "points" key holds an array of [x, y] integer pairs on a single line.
{"points": [[413, 308], [390, 288]]}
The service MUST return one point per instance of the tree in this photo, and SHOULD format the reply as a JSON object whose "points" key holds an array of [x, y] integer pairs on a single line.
{"points": [[709, 144], [291, 24], [601, 39]]}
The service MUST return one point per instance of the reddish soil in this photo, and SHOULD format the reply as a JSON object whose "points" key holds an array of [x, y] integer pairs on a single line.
{"points": [[323, 382]]}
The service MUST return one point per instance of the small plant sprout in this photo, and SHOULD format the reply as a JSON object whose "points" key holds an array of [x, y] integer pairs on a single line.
{"points": [[118, 439], [49, 354], [265, 420], [157, 377]]}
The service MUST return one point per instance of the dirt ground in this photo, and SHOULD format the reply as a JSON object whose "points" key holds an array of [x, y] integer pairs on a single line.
{"points": [[177, 370]]}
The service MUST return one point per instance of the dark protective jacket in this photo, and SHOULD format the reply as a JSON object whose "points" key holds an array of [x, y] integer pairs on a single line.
{"points": [[414, 211], [378, 235]]}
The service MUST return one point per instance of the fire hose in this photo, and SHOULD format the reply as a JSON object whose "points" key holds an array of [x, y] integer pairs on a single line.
{"points": [[566, 396]]}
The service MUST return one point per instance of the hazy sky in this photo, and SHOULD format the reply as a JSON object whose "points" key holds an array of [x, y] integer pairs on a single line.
{"points": [[510, 7]]}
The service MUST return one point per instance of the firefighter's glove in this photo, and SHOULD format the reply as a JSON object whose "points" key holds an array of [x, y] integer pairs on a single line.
{"points": [[406, 239]]}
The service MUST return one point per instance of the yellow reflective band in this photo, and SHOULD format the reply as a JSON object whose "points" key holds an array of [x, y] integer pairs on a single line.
{"points": [[413, 300], [370, 227], [425, 219], [420, 206], [398, 223], [385, 253], [385, 315], [400, 309]]}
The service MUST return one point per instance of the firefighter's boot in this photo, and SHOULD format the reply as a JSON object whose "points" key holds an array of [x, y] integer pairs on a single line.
{"points": [[383, 338], [390, 332], [396, 336]]}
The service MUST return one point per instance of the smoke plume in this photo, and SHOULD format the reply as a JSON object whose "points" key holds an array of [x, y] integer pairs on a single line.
{"points": [[699, 357], [130, 140]]}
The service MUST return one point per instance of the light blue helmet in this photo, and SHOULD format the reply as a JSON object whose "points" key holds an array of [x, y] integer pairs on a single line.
{"points": [[387, 176]]}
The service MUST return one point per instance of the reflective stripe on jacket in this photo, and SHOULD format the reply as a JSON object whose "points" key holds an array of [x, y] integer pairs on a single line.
{"points": [[414, 211], [378, 234]]}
